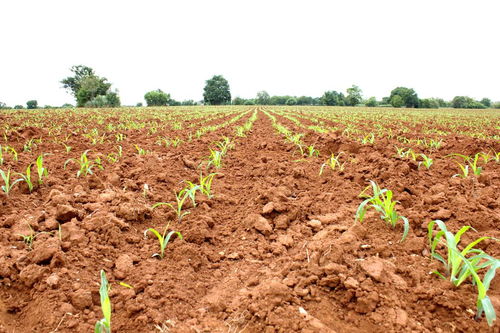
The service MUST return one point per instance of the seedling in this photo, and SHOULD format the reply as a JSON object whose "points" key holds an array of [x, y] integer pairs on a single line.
{"points": [[67, 147], [215, 159], [206, 184], [368, 139], [180, 198], [471, 162], [8, 185], [104, 325], [85, 164], [27, 178], [427, 161], [40, 169], [333, 162], [140, 151], [163, 239], [382, 202], [460, 265]]}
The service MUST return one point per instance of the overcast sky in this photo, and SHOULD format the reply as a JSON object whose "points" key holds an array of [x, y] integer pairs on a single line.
{"points": [[440, 48]]}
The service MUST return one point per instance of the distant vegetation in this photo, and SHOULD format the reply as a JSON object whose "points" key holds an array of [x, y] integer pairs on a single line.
{"points": [[91, 90]]}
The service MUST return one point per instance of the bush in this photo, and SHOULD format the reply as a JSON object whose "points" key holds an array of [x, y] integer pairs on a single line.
{"points": [[397, 101], [157, 98], [464, 102], [33, 104], [371, 102]]}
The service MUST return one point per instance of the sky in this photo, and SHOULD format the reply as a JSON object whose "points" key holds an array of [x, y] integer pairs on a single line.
{"points": [[440, 48]]}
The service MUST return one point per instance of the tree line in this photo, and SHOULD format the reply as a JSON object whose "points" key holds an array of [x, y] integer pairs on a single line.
{"points": [[91, 90]]}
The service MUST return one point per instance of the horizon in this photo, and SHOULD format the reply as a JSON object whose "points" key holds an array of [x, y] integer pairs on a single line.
{"points": [[441, 50]]}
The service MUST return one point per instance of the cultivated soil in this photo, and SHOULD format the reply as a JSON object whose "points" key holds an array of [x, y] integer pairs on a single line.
{"points": [[276, 249]]}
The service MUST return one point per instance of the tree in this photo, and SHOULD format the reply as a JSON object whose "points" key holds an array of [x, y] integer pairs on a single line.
{"points": [[85, 85], [397, 101], [332, 98], [305, 100], [291, 101], [486, 102], [371, 102], [3, 105], [263, 98], [464, 102], [216, 91], [429, 103], [18, 107], [408, 95], [33, 104], [67, 105], [157, 98], [353, 97], [188, 102]]}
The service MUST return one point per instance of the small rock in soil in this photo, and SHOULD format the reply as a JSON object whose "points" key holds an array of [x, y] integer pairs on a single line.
{"points": [[374, 267], [260, 223], [81, 299], [65, 213]]}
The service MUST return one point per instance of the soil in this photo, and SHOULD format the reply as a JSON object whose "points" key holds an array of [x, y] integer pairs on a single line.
{"points": [[276, 249]]}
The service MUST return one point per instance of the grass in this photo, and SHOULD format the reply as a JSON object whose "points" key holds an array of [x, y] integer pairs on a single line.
{"points": [[382, 202], [460, 265], [104, 325]]}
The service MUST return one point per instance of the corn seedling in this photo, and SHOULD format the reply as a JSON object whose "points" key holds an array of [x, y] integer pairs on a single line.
{"points": [[224, 145], [1, 155], [311, 151], [471, 163], [382, 202], [28, 145], [8, 184], [85, 164], [206, 184], [163, 239], [368, 139], [333, 162], [215, 159], [180, 198], [461, 265], [140, 151], [13, 152], [427, 161], [104, 325], [175, 142], [40, 169], [400, 152], [27, 178]]}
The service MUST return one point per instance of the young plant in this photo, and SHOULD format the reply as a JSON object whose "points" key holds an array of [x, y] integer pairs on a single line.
{"points": [[382, 202], [311, 151], [1, 155], [472, 162], [67, 147], [180, 198], [40, 169], [27, 178], [104, 325], [215, 159], [85, 164], [427, 161], [140, 151], [368, 139], [333, 162], [460, 265], [163, 239], [8, 184], [206, 184]]}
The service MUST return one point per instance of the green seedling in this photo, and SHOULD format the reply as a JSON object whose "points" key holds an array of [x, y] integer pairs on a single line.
{"points": [[163, 239], [175, 142], [85, 164], [104, 325], [27, 178], [180, 198], [472, 164], [67, 147], [382, 202], [400, 152], [13, 152], [368, 139], [311, 151], [427, 161], [224, 145], [8, 184], [206, 184], [140, 151], [460, 265], [40, 169], [333, 162], [28, 145], [215, 159]]}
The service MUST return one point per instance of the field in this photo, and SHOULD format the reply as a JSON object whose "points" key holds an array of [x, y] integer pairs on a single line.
{"points": [[275, 244]]}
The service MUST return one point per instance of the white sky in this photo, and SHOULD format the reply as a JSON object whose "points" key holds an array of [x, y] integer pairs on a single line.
{"points": [[440, 48]]}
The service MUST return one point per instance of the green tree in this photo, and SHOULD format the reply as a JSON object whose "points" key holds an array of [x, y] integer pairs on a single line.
{"points": [[354, 96], [371, 102], [397, 101], [291, 101], [216, 91], [85, 85], [33, 104], [305, 100], [3, 105], [464, 102], [18, 107], [486, 102], [188, 102], [332, 98], [408, 95], [429, 103], [157, 98], [263, 98]]}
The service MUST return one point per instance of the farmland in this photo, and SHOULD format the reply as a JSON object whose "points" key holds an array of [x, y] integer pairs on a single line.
{"points": [[248, 219]]}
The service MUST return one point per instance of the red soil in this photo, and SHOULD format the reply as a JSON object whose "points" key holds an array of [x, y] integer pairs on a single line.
{"points": [[275, 250]]}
